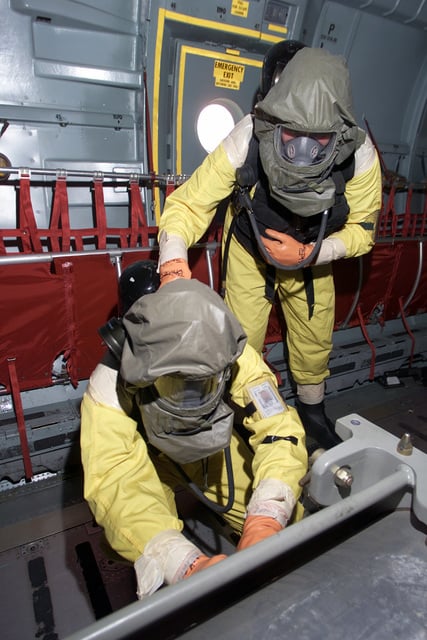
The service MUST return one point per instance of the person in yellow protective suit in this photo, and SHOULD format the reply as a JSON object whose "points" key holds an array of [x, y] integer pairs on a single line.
{"points": [[160, 414], [304, 185]]}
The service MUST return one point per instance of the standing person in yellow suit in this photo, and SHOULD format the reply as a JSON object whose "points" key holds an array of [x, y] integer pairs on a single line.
{"points": [[158, 413], [306, 187]]}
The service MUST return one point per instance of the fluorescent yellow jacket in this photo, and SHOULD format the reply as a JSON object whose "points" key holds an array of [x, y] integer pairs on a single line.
{"points": [[190, 209]]}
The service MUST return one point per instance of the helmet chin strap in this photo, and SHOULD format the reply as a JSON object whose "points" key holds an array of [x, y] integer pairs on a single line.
{"points": [[244, 181]]}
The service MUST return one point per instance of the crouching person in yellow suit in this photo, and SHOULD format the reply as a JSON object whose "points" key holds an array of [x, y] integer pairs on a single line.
{"points": [[163, 410]]}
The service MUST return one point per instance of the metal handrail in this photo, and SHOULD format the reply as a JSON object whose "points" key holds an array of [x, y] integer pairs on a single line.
{"points": [[96, 174], [49, 256]]}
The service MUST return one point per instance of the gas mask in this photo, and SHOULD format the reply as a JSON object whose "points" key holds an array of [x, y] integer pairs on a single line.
{"points": [[310, 101], [185, 436], [298, 167], [303, 149], [181, 344], [185, 417]]}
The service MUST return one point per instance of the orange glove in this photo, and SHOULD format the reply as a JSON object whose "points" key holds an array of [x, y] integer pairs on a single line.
{"points": [[285, 249], [174, 269], [202, 562], [257, 528]]}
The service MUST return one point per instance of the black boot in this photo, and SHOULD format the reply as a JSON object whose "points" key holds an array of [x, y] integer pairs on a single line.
{"points": [[317, 425]]}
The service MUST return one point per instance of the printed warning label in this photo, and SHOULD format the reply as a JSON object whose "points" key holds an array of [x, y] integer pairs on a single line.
{"points": [[228, 74], [240, 8]]}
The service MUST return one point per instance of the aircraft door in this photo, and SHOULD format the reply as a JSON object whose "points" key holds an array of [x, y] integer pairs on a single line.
{"points": [[213, 89]]}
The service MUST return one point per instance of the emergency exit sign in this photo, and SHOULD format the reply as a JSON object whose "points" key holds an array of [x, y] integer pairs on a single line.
{"points": [[228, 74]]}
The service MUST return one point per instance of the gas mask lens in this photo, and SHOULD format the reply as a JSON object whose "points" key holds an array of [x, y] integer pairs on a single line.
{"points": [[303, 148], [182, 393]]}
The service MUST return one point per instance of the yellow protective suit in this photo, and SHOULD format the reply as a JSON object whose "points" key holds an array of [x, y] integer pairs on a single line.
{"points": [[131, 490], [190, 209]]}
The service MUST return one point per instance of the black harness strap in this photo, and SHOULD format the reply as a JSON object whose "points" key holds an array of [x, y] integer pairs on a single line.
{"points": [[321, 225], [271, 439], [309, 290], [270, 280]]}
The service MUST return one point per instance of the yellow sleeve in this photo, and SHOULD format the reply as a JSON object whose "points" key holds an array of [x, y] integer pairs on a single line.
{"points": [[363, 193], [283, 457], [189, 210], [121, 484]]}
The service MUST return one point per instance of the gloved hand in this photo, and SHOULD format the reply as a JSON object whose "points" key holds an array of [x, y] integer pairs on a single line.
{"points": [[285, 249], [202, 562], [174, 269], [257, 528], [168, 558]]}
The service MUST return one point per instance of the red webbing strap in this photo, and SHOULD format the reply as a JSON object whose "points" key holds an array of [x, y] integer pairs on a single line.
{"points": [[78, 239], [27, 221], [70, 354], [406, 325], [419, 219], [369, 341], [123, 238], [170, 186], [137, 215], [100, 214], [60, 216], [388, 211], [407, 215], [19, 413]]}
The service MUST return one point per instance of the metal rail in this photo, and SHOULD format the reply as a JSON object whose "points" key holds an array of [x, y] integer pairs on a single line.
{"points": [[95, 174], [115, 255], [48, 256], [138, 616]]}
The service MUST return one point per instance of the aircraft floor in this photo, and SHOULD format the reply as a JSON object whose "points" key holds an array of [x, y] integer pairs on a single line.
{"points": [[58, 574]]}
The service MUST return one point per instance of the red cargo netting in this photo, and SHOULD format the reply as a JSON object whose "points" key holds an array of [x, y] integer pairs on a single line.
{"points": [[404, 211]]}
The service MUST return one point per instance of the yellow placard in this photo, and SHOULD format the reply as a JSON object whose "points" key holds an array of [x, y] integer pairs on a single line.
{"points": [[228, 74], [276, 27], [240, 8]]}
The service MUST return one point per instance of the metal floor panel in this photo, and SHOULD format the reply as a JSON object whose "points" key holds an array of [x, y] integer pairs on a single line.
{"points": [[58, 574], [61, 582]]}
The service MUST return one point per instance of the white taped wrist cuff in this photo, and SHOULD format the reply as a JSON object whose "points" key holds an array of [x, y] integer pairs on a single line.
{"points": [[102, 387], [171, 248], [165, 560], [330, 249], [272, 498]]}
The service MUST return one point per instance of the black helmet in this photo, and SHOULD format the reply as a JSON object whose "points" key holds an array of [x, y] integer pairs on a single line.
{"points": [[137, 280], [275, 60]]}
